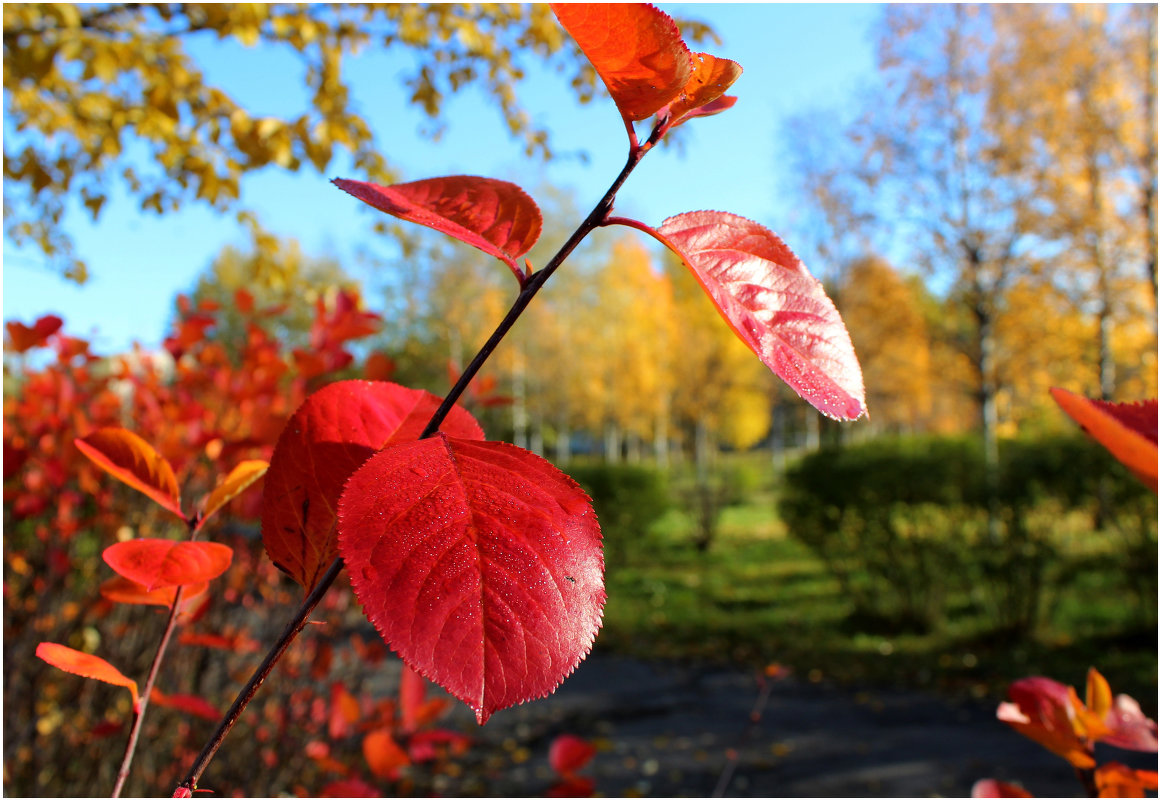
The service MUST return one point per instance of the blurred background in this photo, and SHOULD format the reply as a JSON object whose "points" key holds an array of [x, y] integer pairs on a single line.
{"points": [[976, 186]]}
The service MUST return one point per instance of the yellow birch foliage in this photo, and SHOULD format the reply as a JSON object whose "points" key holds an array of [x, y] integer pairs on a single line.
{"points": [[105, 94], [719, 380], [889, 333]]}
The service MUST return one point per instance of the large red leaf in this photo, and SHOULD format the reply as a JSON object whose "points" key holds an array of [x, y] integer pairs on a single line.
{"points": [[334, 431], [1127, 430], [774, 305], [87, 665], [164, 563], [636, 49], [495, 216], [478, 562], [130, 459]]}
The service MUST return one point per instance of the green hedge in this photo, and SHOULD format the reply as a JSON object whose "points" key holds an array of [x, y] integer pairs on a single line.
{"points": [[903, 523], [627, 500]]}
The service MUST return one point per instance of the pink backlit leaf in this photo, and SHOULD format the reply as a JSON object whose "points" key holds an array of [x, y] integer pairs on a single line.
{"points": [[770, 300]]}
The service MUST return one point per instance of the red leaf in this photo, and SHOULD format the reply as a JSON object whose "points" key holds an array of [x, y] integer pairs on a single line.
{"points": [[991, 788], [711, 77], [568, 753], [424, 746], [383, 754], [1127, 430], [125, 591], [350, 788], [191, 704], [87, 665], [132, 460], [21, 338], [774, 305], [478, 562], [334, 431], [636, 49], [574, 787], [236, 643], [164, 563], [242, 476], [497, 217]]}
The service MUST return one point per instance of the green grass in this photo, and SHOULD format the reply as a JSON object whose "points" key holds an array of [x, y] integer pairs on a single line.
{"points": [[758, 596]]}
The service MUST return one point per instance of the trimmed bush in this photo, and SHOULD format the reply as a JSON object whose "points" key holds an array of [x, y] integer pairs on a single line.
{"points": [[903, 522]]}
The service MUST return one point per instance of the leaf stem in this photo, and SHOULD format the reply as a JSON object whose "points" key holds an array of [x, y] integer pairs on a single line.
{"points": [[296, 625], [143, 699], [529, 288]]}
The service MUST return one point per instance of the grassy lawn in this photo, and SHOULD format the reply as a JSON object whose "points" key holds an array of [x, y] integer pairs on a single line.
{"points": [[758, 596]]}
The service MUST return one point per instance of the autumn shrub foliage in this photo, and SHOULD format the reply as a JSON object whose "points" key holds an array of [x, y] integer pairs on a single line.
{"points": [[479, 563]]}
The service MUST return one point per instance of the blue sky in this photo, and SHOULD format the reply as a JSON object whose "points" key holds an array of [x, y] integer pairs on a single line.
{"points": [[795, 57]]}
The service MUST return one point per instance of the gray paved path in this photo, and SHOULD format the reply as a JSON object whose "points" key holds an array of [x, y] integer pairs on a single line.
{"points": [[666, 730]]}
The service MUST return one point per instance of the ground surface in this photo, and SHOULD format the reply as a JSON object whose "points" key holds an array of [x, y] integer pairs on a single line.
{"points": [[667, 730]]}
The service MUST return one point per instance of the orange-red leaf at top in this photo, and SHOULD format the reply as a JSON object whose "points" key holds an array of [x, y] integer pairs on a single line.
{"points": [[132, 460], [495, 216], [87, 665], [164, 563], [329, 436], [711, 77], [568, 753], [635, 48], [21, 338], [242, 476], [1127, 430], [773, 303], [479, 563]]}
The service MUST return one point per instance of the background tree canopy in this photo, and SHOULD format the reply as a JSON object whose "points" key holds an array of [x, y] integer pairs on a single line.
{"points": [[106, 93]]}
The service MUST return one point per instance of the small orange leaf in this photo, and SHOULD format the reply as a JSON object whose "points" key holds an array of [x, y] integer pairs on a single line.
{"points": [[1114, 780], [125, 591], [711, 77], [165, 563], [636, 49], [1098, 695], [1127, 430], [192, 704], [241, 477], [383, 754], [132, 460], [87, 665]]}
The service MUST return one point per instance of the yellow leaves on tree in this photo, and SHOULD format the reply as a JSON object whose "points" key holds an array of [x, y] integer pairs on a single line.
{"points": [[84, 83]]}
